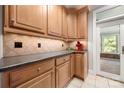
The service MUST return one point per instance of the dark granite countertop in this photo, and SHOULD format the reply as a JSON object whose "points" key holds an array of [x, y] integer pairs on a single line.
{"points": [[11, 62]]}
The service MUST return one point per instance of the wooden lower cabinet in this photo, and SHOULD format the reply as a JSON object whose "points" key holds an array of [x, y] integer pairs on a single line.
{"points": [[50, 73], [72, 65], [26, 73], [62, 75], [81, 65], [46, 80]]}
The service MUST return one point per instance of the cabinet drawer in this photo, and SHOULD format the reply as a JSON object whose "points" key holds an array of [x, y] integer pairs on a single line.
{"points": [[25, 73], [62, 59], [45, 80]]}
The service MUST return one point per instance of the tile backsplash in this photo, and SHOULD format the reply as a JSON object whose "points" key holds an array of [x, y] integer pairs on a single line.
{"points": [[30, 45]]}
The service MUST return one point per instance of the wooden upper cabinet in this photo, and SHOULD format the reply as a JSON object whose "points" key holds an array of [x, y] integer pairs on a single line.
{"points": [[82, 24], [72, 25], [28, 17], [55, 20], [64, 24]]}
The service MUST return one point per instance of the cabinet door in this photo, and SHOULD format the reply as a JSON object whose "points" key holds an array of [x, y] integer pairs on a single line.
{"points": [[59, 24], [72, 25], [64, 22], [72, 64], [81, 67], [62, 74], [46, 80], [55, 20], [29, 17], [86, 68], [82, 25]]}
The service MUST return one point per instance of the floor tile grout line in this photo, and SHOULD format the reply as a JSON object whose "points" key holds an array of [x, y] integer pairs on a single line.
{"points": [[95, 81], [108, 83]]}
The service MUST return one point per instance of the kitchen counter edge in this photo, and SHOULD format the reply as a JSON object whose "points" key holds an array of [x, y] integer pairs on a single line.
{"points": [[8, 63]]}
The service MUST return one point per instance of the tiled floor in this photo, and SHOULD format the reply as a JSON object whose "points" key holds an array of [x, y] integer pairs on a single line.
{"points": [[95, 82]]}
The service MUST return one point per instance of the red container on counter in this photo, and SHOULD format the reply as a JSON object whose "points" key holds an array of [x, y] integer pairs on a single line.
{"points": [[79, 46]]}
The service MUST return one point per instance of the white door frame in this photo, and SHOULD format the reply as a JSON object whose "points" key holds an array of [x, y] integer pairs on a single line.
{"points": [[100, 72], [122, 55], [96, 53]]}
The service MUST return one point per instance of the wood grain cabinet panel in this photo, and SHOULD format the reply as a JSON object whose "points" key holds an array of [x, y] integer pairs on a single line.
{"points": [[23, 74], [64, 24], [72, 25], [72, 64], [55, 20], [46, 80], [81, 67], [31, 17], [62, 74], [61, 60], [82, 27]]}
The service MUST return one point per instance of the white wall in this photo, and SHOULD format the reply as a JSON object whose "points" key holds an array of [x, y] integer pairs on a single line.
{"points": [[90, 39], [90, 36], [1, 41]]}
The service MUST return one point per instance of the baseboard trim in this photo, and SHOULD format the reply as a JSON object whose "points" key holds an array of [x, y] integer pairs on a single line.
{"points": [[91, 72]]}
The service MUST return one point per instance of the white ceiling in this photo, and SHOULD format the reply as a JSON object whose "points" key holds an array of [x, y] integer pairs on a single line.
{"points": [[73, 6], [92, 7]]}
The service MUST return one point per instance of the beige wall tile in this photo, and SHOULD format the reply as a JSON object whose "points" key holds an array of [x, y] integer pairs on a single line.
{"points": [[30, 45]]}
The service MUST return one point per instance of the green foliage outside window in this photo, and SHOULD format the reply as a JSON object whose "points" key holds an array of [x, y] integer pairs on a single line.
{"points": [[109, 43]]}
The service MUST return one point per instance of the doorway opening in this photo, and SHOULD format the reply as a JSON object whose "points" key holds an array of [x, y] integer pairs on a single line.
{"points": [[110, 49], [108, 42]]}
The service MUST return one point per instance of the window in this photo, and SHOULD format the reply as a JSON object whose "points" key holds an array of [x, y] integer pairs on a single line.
{"points": [[109, 43]]}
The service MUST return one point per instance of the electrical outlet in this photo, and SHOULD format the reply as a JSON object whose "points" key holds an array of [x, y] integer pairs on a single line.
{"points": [[39, 45], [62, 45], [18, 45]]}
